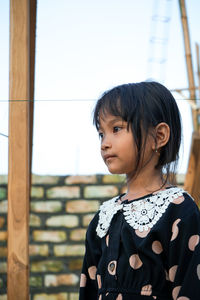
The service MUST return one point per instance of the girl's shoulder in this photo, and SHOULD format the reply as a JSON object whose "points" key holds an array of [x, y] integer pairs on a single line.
{"points": [[143, 213], [184, 207]]}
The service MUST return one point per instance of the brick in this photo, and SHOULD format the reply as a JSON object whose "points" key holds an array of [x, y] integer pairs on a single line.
{"points": [[3, 297], [3, 267], [40, 179], [34, 221], [113, 178], [73, 296], [69, 221], [2, 222], [4, 206], [3, 179], [82, 206], [47, 266], [42, 250], [75, 264], [97, 191], [3, 193], [87, 219], [60, 296], [78, 234], [3, 251], [49, 236], [64, 192], [58, 280], [3, 235], [35, 281], [37, 192], [69, 250], [46, 206], [81, 179]]}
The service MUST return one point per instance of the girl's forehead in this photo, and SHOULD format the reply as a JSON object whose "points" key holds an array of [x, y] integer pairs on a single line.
{"points": [[108, 118]]}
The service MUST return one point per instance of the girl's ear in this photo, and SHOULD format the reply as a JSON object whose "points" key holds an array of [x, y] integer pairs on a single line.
{"points": [[162, 134]]}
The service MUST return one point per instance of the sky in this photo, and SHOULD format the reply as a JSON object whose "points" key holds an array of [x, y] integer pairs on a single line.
{"points": [[82, 49]]}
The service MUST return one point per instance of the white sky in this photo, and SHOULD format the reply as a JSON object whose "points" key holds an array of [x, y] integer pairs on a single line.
{"points": [[82, 49]]}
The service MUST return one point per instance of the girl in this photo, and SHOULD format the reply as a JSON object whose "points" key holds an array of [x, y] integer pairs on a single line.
{"points": [[143, 244]]}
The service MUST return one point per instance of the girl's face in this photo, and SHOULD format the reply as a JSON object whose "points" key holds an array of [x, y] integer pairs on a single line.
{"points": [[118, 149], [117, 145]]}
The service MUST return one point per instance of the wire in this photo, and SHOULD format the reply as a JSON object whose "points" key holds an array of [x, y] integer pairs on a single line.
{"points": [[59, 100], [4, 135], [76, 100]]}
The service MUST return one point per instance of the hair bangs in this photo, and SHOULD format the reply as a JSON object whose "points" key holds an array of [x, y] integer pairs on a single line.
{"points": [[117, 102]]}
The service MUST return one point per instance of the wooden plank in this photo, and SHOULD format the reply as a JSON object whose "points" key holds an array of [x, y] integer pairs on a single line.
{"points": [[32, 33], [193, 173], [19, 152], [188, 56], [198, 76]]}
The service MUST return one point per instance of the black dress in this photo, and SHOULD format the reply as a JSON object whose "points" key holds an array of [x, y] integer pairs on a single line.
{"points": [[147, 248]]}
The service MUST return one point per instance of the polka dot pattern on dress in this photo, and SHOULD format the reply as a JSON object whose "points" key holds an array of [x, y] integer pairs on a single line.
{"points": [[99, 281], [146, 290], [172, 273], [175, 292], [92, 272], [198, 271], [142, 234], [107, 240], [135, 261], [157, 247], [112, 266], [193, 242], [175, 229], [83, 280], [178, 200]]}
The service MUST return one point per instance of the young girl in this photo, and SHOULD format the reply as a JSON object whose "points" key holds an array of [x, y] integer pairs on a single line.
{"points": [[143, 244]]}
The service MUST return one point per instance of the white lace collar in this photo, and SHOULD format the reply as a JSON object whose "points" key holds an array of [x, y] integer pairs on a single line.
{"points": [[140, 214]]}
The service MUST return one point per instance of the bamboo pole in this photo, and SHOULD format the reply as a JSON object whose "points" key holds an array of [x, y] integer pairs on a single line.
{"points": [[188, 56], [193, 173], [198, 76], [20, 136]]}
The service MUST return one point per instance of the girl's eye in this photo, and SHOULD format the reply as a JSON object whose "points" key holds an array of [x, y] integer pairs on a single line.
{"points": [[116, 128], [100, 135]]}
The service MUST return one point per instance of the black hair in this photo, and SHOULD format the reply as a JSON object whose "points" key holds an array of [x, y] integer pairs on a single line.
{"points": [[144, 105]]}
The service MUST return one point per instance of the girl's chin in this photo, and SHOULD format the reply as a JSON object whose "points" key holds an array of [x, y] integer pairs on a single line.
{"points": [[115, 171], [119, 171]]}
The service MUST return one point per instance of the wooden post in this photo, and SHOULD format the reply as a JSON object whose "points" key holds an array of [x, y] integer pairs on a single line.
{"points": [[20, 135], [198, 75], [193, 173], [32, 32], [188, 60]]}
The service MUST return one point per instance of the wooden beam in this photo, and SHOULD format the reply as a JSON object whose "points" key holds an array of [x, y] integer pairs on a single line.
{"points": [[198, 76], [188, 56], [32, 33], [19, 151], [193, 173]]}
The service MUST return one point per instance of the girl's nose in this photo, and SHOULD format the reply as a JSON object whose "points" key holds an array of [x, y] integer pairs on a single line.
{"points": [[105, 144]]}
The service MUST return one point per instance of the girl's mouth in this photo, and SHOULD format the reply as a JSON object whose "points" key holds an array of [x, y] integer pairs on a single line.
{"points": [[108, 157]]}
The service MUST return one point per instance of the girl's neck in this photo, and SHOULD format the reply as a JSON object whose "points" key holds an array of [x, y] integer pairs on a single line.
{"points": [[145, 183]]}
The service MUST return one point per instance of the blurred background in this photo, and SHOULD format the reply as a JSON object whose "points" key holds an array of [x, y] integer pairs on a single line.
{"points": [[82, 49]]}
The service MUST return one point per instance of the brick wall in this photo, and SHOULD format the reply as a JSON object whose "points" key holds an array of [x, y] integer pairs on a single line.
{"points": [[60, 210]]}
